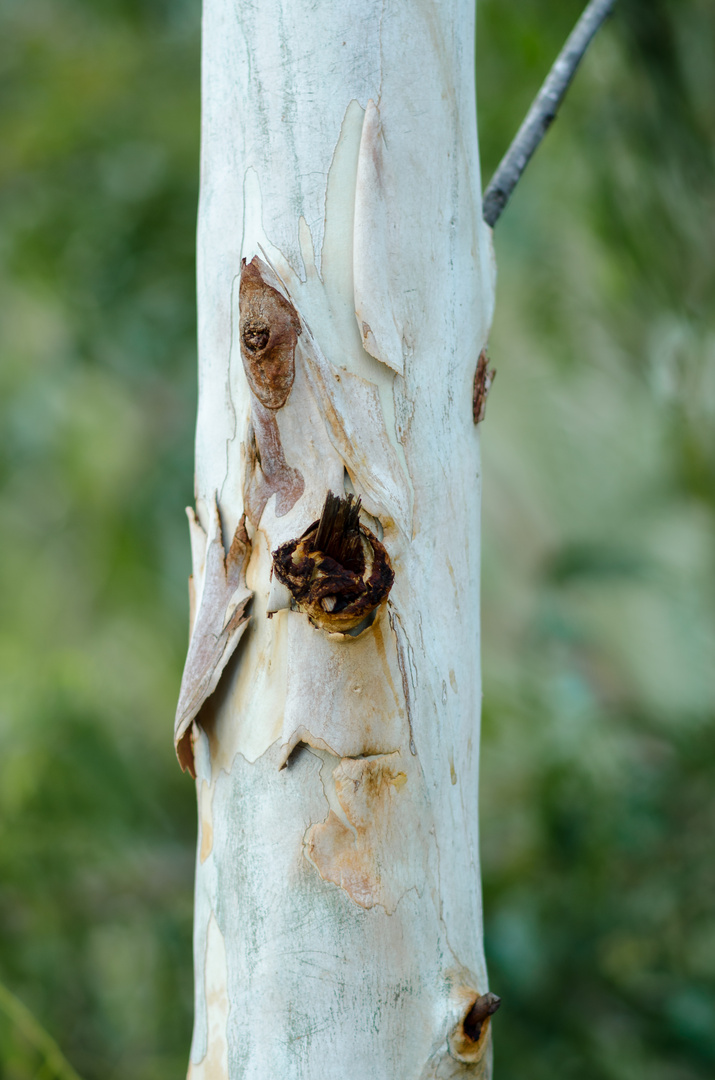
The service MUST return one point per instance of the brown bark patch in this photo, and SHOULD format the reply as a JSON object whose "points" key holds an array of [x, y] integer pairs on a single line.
{"points": [[338, 571], [214, 1064], [483, 379], [220, 622], [269, 327]]}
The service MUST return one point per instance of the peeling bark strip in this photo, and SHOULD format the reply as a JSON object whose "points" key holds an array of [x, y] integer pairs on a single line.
{"points": [[269, 328], [219, 625], [338, 571], [483, 379]]}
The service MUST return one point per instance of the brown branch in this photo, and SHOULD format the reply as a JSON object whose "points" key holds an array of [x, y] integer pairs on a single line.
{"points": [[543, 110]]}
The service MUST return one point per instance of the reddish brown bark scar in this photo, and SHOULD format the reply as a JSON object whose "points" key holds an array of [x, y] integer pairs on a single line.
{"points": [[483, 379], [269, 327], [267, 471], [338, 571], [220, 622]]}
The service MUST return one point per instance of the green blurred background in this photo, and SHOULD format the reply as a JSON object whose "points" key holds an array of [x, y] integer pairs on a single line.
{"points": [[598, 773]]}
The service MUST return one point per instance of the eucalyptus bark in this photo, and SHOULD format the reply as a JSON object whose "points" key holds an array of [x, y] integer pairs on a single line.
{"points": [[330, 703]]}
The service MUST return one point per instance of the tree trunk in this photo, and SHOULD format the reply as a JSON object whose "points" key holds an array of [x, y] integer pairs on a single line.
{"points": [[330, 703]]}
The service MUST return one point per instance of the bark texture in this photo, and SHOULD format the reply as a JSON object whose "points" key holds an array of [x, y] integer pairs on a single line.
{"points": [[345, 285]]}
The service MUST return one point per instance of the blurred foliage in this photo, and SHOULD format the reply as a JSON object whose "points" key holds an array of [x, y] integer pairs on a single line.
{"points": [[598, 777], [98, 184], [598, 767]]}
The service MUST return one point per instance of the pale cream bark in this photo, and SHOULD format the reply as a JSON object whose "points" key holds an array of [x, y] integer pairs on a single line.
{"points": [[345, 289]]}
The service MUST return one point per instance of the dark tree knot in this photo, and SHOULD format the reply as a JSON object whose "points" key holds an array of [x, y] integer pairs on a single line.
{"points": [[338, 571], [269, 327]]}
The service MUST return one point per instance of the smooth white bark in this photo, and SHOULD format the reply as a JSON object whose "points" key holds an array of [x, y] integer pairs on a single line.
{"points": [[338, 917]]}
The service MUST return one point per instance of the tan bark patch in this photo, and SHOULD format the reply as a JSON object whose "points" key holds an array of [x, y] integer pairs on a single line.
{"points": [[206, 820], [214, 1066], [362, 854]]}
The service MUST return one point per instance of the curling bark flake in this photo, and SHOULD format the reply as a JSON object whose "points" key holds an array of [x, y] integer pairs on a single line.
{"points": [[330, 703]]}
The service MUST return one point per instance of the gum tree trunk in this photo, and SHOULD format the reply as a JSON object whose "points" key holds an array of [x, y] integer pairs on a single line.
{"points": [[330, 703]]}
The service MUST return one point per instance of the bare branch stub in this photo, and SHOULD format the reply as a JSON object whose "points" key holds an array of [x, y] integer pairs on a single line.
{"points": [[483, 379], [269, 327], [484, 1007], [338, 571], [543, 110]]}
